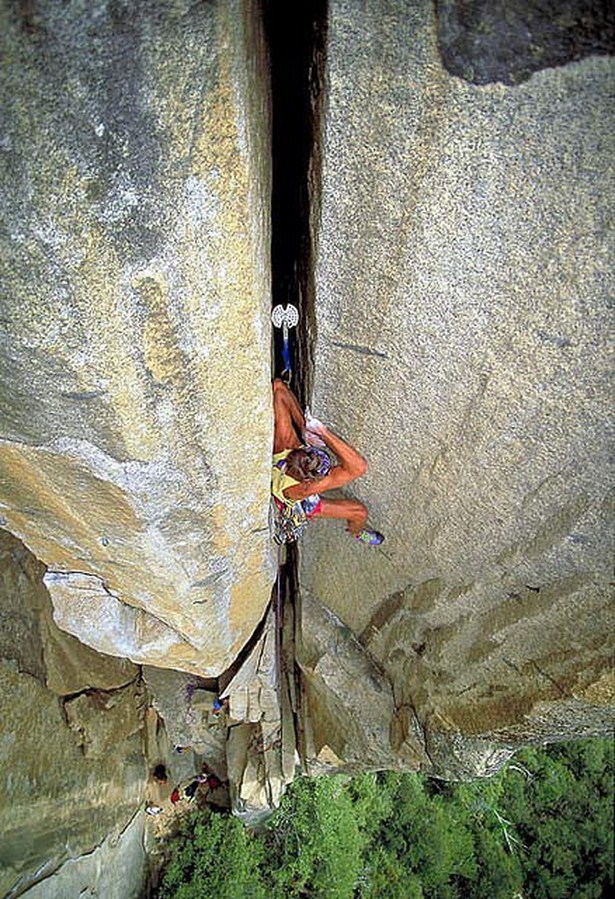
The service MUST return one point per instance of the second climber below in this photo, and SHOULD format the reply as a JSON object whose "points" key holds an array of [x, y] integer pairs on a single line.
{"points": [[302, 471]]}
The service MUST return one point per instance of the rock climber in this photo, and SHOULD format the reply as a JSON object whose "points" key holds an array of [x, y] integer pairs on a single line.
{"points": [[191, 789], [302, 469], [187, 790]]}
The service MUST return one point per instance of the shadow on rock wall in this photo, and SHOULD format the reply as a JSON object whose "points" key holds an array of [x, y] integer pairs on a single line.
{"points": [[507, 40], [464, 285], [71, 744]]}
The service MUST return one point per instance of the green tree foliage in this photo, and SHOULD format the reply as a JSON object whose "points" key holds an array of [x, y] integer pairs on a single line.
{"points": [[563, 814], [314, 844], [542, 828], [213, 858]]}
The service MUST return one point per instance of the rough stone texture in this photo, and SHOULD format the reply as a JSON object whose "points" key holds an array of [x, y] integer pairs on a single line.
{"points": [[260, 756], [351, 701], [507, 40], [29, 636], [462, 286], [135, 419], [115, 870], [249, 757], [250, 742], [182, 705], [102, 720], [57, 801], [253, 692]]}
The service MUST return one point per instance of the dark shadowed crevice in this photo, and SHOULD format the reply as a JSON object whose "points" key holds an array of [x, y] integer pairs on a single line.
{"points": [[297, 38], [219, 684], [484, 41], [296, 34]]}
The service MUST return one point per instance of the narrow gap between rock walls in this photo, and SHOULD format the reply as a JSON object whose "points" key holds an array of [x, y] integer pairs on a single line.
{"points": [[296, 35], [297, 38]]}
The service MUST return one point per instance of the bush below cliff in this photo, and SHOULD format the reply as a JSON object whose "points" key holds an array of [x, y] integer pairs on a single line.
{"points": [[540, 828]]}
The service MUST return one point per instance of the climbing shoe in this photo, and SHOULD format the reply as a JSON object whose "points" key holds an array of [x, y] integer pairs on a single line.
{"points": [[369, 537]]}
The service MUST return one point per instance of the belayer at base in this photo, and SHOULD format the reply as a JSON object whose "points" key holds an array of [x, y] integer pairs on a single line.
{"points": [[302, 470]]}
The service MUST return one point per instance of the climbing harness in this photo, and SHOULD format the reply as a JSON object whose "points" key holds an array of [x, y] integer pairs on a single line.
{"points": [[289, 519], [287, 522]]}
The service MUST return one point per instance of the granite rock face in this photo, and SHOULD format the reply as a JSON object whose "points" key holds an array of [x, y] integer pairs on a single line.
{"points": [[73, 766], [185, 707], [462, 281], [135, 419], [354, 701], [116, 868]]}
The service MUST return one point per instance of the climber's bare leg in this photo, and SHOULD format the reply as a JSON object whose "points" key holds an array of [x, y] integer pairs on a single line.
{"points": [[288, 418], [352, 510]]}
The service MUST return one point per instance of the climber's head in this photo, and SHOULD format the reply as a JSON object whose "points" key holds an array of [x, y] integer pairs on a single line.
{"points": [[308, 463]]}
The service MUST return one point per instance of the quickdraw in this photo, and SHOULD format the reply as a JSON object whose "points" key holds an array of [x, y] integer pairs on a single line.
{"points": [[285, 317]]}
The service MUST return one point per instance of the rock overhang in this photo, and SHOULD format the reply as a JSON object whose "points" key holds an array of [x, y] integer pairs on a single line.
{"points": [[136, 418]]}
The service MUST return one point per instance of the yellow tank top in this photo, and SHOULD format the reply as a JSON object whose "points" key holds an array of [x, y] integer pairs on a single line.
{"points": [[280, 481]]}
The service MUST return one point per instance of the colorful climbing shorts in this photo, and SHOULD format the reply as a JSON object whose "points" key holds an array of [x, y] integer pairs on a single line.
{"points": [[311, 504]]}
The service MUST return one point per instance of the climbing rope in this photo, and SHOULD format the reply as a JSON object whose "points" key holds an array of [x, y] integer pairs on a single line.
{"points": [[284, 317]]}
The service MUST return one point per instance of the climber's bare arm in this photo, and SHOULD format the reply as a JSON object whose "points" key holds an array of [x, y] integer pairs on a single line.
{"points": [[288, 418], [351, 466]]}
